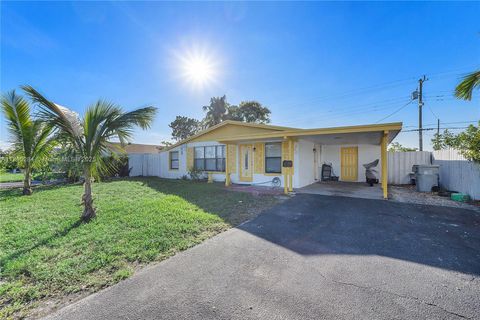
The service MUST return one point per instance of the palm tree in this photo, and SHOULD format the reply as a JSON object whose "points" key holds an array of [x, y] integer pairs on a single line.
{"points": [[31, 138], [216, 111], [89, 136], [465, 88]]}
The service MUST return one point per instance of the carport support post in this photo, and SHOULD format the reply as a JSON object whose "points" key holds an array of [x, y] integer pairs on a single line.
{"points": [[384, 164], [290, 178], [227, 169]]}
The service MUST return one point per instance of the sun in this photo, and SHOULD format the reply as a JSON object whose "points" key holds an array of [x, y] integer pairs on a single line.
{"points": [[198, 68]]}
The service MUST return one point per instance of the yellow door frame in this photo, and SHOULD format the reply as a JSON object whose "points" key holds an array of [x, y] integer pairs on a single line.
{"points": [[241, 159], [344, 151]]}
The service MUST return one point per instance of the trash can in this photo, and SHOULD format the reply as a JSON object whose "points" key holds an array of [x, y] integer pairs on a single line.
{"points": [[426, 176]]}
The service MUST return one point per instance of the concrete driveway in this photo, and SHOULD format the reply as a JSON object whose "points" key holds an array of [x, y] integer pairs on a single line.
{"points": [[313, 257]]}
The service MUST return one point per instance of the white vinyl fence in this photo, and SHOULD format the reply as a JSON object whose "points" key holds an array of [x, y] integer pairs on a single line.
{"points": [[400, 165], [144, 164], [457, 173]]}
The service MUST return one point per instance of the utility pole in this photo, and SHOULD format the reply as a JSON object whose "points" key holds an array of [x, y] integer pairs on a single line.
{"points": [[420, 105], [438, 127]]}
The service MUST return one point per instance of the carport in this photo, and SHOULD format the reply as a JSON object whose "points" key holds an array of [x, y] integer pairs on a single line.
{"points": [[347, 149], [303, 151]]}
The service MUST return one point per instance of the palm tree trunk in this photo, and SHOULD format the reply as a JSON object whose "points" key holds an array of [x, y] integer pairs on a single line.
{"points": [[87, 199], [27, 182]]}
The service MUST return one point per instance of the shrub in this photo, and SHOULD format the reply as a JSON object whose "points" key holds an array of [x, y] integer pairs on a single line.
{"points": [[195, 174]]}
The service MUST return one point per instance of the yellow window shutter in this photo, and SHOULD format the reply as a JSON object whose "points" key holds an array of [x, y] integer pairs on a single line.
{"points": [[189, 158], [259, 157], [285, 153], [232, 158]]}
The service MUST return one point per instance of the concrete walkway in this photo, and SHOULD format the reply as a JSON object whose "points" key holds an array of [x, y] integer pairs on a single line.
{"points": [[344, 189], [18, 184], [313, 257]]}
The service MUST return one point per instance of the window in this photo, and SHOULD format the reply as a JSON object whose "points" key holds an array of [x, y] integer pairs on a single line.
{"points": [[174, 160], [273, 157], [211, 158]]}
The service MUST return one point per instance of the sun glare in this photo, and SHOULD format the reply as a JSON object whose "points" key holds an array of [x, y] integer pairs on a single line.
{"points": [[197, 67], [198, 70]]}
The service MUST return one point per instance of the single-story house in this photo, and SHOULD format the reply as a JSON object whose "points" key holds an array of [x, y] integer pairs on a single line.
{"points": [[246, 153], [133, 148]]}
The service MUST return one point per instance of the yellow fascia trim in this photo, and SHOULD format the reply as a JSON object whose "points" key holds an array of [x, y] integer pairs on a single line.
{"points": [[318, 131], [221, 124]]}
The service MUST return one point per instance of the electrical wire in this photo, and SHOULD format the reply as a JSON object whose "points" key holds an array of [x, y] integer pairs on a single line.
{"points": [[443, 123], [428, 129], [333, 113], [398, 110]]}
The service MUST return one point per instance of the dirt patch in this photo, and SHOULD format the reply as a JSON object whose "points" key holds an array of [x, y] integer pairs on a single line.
{"points": [[256, 190], [408, 194]]}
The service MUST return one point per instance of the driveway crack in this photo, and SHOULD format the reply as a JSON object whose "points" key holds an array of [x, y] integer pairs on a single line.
{"points": [[376, 289]]}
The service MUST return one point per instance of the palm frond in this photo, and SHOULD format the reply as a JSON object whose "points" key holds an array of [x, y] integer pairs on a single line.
{"points": [[465, 88], [44, 142], [56, 115], [17, 112]]}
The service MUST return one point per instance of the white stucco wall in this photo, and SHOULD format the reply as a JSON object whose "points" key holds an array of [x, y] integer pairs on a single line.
{"points": [[304, 163], [165, 172], [366, 153], [304, 170]]}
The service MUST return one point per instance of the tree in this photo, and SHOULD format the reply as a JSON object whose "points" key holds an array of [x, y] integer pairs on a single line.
{"points": [[467, 142], [184, 127], [444, 140], [31, 138], [465, 88], [89, 136], [216, 111], [397, 147], [165, 144], [249, 111]]}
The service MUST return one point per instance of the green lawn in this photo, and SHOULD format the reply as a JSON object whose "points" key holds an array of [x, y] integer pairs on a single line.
{"points": [[46, 254], [10, 177], [18, 177]]}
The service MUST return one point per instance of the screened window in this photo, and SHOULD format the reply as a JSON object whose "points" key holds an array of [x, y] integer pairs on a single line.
{"points": [[174, 160], [211, 158], [273, 157]]}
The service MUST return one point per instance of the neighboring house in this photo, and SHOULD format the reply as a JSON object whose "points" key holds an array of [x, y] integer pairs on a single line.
{"points": [[239, 152], [133, 148]]}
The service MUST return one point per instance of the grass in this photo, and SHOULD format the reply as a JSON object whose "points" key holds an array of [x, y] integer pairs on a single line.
{"points": [[11, 177], [18, 177], [46, 254]]}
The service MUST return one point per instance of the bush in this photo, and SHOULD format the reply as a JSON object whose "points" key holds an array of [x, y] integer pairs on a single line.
{"points": [[9, 162], [118, 166], [195, 174]]}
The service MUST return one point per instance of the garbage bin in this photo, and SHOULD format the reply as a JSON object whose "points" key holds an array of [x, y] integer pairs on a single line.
{"points": [[426, 176]]}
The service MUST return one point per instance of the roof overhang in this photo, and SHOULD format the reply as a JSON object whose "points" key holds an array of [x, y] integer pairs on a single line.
{"points": [[230, 122], [363, 134]]}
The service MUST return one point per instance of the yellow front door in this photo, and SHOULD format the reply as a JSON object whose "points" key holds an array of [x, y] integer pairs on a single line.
{"points": [[246, 162], [349, 164]]}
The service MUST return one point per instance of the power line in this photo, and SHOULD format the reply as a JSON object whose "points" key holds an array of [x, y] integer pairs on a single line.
{"points": [[433, 113], [355, 109], [389, 84], [432, 124], [428, 129], [398, 110]]}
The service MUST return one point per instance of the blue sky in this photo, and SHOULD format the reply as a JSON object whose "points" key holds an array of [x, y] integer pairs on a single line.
{"points": [[313, 64]]}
